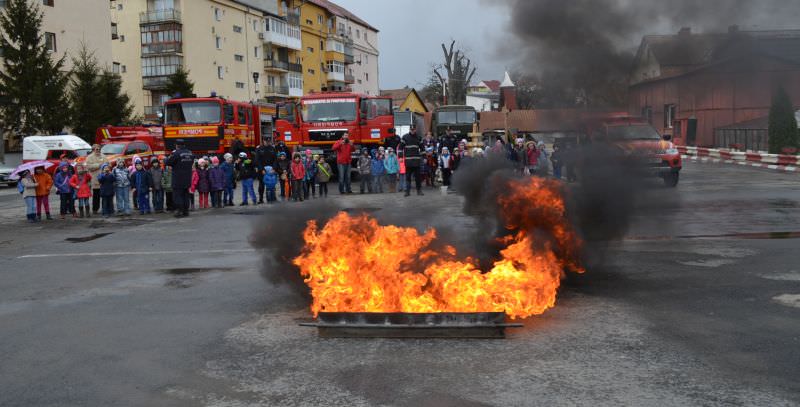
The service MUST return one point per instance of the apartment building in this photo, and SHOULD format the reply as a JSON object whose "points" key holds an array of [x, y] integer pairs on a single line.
{"points": [[239, 49], [65, 28]]}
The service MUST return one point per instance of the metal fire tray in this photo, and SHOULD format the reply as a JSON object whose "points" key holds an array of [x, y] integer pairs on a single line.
{"points": [[411, 325]]}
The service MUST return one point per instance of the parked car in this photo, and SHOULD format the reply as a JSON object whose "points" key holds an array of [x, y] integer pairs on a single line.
{"points": [[5, 171]]}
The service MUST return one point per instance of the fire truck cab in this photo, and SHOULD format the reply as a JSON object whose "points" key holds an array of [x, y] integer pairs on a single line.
{"points": [[319, 120]]}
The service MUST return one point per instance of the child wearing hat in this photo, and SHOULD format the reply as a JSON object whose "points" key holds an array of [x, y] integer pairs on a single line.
{"points": [[216, 178], [229, 171], [270, 182]]}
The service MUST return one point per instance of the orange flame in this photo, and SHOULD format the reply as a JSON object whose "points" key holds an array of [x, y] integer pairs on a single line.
{"points": [[353, 264]]}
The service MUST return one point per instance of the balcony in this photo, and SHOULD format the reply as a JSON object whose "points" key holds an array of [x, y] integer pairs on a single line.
{"points": [[151, 112], [295, 68], [349, 59], [349, 78], [273, 65], [154, 82], [169, 15], [335, 76], [293, 17], [295, 92], [162, 48], [276, 90]]}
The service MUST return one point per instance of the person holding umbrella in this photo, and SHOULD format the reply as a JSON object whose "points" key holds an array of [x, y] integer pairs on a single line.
{"points": [[44, 183], [29, 194]]}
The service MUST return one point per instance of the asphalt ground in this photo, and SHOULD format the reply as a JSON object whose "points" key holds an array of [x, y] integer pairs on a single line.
{"points": [[698, 305]]}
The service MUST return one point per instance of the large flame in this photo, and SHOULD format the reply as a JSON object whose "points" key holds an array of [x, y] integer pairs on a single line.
{"points": [[353, 264]]}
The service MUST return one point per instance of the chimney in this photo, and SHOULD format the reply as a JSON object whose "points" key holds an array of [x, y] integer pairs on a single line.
{"points": [[508, 94], [685, 31]]}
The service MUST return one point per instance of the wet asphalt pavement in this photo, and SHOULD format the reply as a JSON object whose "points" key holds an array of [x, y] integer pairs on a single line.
{"points": [[698, 305]]}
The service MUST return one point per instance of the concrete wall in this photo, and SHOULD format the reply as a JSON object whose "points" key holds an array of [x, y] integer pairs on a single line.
{"points": [[69, 21], [366, 51]]}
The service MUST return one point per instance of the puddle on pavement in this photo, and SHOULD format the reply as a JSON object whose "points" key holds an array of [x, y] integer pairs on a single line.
{"points": [[86, 238], [181, 271]]}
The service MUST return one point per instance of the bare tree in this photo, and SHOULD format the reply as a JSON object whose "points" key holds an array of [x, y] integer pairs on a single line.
{"points": [[457, 75]]}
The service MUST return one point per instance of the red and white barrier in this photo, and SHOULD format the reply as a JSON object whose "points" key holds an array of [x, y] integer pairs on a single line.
{"points": [[780, 162]]}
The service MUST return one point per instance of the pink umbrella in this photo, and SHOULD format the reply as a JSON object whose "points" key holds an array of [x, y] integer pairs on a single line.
{"points": [[29, 166]]}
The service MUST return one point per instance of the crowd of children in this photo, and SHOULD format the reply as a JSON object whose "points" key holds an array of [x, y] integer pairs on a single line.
{"points": [[304, 176]]}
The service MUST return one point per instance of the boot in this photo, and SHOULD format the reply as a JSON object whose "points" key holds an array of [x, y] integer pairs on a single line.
{"points": [[88, 212], [48, 216], [419, 192], [408, 192], [80, 209]]}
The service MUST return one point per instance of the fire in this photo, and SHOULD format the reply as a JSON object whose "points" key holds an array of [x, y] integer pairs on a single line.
{"points": [[354, 264]]}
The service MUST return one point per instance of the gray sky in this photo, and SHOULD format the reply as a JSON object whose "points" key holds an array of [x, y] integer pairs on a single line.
{"points": [[411, 33]]}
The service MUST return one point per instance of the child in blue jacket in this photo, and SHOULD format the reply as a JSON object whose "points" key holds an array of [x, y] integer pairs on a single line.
{"points": [[270, 182], [228, 168], [377, 170]]}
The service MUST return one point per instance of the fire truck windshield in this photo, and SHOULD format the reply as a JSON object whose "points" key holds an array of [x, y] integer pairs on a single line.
{"points": [[329, 110], [193, 113], [112, 149], [456, 117]]}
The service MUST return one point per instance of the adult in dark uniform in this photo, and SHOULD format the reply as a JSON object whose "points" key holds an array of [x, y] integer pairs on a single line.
{"points": [[412, 146], [181, 161], [265, 155]]}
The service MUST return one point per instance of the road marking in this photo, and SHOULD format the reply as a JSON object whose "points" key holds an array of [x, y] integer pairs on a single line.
{"points": [[789, 300], [104, 254]]}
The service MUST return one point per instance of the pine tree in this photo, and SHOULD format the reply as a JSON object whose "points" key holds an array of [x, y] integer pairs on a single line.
{"points": [[32, 84], [116, 107], [782, 123], [179, 84], [85, 95]]}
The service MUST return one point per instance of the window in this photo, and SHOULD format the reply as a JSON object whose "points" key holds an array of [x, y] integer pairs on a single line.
{"points": [[320, 19], [238, 58], [359, 81], [237, 29], [366, 59], [193, 113], [220, 72], [115, 67], [647, 113], [358, 33], [311, 71], [309, 22], [255, 25], [242, 113], [219, 42], [239, 85], [114, 33], [341, 28], [295, 80], [228, 114], [217, 14], [123, 68], [119, 7], [336, 66], [161, 65], [48, 2], [321, 45], [310, 49], [256, 51], [669, 115], [121, 38], [50, 42], [365, 35]]}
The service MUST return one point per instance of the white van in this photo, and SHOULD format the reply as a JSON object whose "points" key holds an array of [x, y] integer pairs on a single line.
{"points": [[51, 148]]}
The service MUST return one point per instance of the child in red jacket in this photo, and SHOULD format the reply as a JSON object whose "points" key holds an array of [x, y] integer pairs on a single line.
{"points": [[297, 174], [81, 183]]}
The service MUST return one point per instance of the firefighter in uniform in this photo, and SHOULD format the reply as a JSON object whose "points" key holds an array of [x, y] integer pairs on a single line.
{"points": [[181, 161], [412, 146]]}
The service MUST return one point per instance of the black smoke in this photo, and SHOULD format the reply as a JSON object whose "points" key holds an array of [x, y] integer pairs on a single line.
{"points": [[584, 49]]}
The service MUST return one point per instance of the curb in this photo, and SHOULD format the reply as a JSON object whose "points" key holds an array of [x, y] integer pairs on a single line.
{"points": [[773, 167]]}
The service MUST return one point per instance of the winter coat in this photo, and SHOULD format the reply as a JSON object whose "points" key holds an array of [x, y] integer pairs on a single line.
{"points": [[412, 153], [282, 168], [376, 166], [121, 177], [228, 173], [44, 183], [193, 182], [446, 161], [344, 152], [402, 164], [531, 157], [392, 141], [30, 187], [265, 156], [298, 171], [216, 178], [270, 178], [324, 172], [364, 165], [391, 164], [107, 184], [157, 174], [311, 169], [142, 181], [557, 159], [181, 162], [246, 169], [82, 183], [93, 163], [61, 182], [166, 180], [203, 180]]}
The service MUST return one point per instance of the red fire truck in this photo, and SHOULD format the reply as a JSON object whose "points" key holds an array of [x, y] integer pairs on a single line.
{"points": [[210, 125], [319, 120], [152, 135]]}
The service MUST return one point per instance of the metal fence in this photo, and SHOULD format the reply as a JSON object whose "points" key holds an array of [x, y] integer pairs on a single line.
{"points": [[745, 139]]}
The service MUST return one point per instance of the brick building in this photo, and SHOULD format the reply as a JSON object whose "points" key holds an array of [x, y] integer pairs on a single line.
{"points": [[712, 80]]}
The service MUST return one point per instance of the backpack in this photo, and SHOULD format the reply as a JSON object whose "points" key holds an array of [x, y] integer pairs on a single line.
{"points": [[20, 187]]}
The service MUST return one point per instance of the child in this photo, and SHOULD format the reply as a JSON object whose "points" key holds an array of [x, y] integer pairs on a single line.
{"points": [[44, 183], [270, 182], [122, 187], [364, 172], [324, 172], [107, 189], [142, 181], [228, 171], [310, 163], [81, 182], [64, 189], [392, 167], [377, 170], [446, 163], [216, 178], [282, 168], [156, 173], [555, 158], [166, 183], [203, 182], [193, 185], [297, 172], [247, 174], [428, 167], [401, 161], [29, 195]]}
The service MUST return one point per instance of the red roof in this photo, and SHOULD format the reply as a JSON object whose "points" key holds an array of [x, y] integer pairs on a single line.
{"points": [[493, 85], [341, 12]]}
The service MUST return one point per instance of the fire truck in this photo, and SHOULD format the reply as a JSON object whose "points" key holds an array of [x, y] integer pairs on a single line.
{"points": [[636, 138], [127, 142], [212, 125], [318, 120]]}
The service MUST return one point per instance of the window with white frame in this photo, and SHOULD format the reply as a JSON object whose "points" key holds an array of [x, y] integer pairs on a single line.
{"points": [[50, 42], [295, 80], [669, 115], [217, 14], [219, 42], [336, 66], [256, 51], [238, 58], [221, 72], [237, 29], [239, 85]]}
